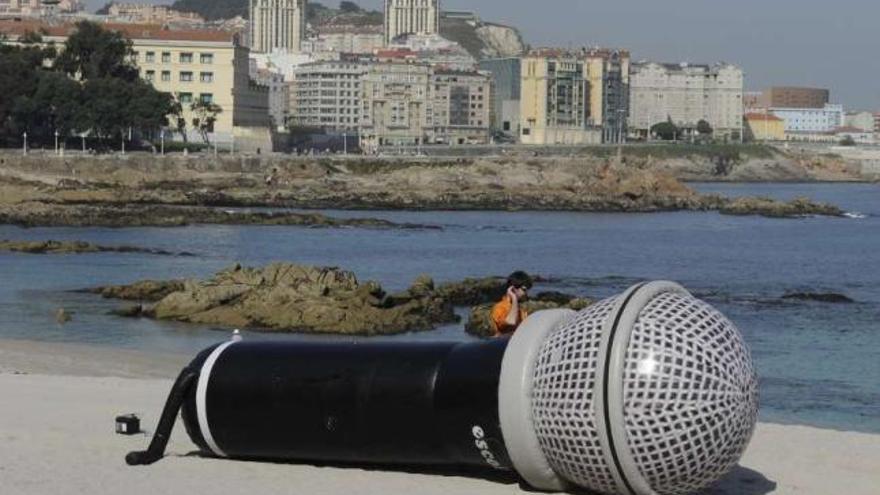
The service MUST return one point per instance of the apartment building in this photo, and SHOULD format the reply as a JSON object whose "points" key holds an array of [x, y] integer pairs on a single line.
{"points": [[411, 17], [151, 14], [327, 95], [191, 65], [344, 39], [810, 120], [396, 105], [462, 105], [506, 80], [608, 88], [277, 25], [764, 126], [554, 100], [795, 97], [686, 94]]}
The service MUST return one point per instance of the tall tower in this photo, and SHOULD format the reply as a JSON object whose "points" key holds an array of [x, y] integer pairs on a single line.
{"points": [[277, 25], [411, 16]]}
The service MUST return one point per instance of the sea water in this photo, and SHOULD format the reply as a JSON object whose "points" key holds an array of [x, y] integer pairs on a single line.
{"points": [[819, 363]]}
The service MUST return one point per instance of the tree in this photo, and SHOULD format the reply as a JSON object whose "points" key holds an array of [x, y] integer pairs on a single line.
{"points": [[847, 141], [704, 128], [666, 131], [205, 115], [347, 7], [93, 52]]}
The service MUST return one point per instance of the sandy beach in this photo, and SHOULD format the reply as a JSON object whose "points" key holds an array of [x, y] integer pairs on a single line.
{"points": [[57, 429]]}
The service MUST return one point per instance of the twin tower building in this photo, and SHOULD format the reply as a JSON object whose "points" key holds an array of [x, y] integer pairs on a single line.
{"points": [[280, 25]]}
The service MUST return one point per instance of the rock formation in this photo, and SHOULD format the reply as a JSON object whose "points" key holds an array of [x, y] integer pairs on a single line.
{"points": [[70, 247], [285, 297]]}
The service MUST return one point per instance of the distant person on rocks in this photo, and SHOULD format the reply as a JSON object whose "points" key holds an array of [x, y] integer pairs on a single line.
{"points": [[508, 314]]}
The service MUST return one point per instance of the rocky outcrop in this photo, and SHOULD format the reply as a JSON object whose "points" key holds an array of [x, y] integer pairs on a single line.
{"points": [[828, 297], [178, 191], [472, 291], [479, 321], [145, 290], [284, 297], [798, 207], [71, 247], [40, 214]]}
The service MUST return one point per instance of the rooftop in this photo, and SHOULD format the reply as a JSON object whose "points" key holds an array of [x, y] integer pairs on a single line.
{"points": [[18, 27], [762, 116]]}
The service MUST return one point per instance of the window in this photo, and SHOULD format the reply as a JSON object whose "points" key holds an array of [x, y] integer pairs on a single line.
{"points": [[150, 75], [135, 56], [151, 57], [185, 97], [186, 58], [186, 77], [206, 98], [206, 77], [206, 58], [166, 57], [166, 75]]}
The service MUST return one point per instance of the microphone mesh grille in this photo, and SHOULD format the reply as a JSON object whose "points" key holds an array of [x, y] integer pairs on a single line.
{"points": [[690, 394], [689, 388], [563, 395]]}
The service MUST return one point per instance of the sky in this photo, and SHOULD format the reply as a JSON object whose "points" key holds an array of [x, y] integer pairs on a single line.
{"points": [[777, 42]]}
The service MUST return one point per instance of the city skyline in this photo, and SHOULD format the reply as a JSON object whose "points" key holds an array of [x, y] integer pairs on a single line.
{"points": [[784, 43]]}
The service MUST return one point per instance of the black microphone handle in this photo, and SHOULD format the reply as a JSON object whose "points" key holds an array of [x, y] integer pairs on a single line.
{"points": [[387, 403]]}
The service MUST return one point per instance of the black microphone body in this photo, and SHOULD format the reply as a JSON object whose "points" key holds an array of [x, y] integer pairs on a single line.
{"points": [[394, 403]]}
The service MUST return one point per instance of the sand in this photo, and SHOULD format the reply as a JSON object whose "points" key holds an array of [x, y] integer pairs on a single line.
{"points": [[57, 434]]}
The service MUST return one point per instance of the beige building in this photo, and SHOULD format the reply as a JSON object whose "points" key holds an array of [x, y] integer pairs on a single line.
{"points": [[23, 7], [608, 89], [764, 126], [411, 17], [554, 100], [687, 94], [151, 14], [277, 25], [192, 65], [396, 105], [462, 106], [345, 39]]}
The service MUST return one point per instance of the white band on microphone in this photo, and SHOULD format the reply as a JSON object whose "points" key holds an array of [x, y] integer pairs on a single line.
{"points": [[201, 397], [515, 399]]}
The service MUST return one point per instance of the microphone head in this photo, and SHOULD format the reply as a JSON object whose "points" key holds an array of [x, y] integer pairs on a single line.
{"points": [[649, 392]]}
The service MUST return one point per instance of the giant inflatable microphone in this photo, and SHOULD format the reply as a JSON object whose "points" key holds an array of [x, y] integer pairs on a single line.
{"points": [[649, 392]]}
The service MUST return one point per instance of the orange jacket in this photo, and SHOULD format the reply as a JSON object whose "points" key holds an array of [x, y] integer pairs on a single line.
{"points": [[499, 317]]}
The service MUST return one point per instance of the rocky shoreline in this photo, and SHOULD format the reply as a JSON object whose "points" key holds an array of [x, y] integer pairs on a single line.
{"points": [[77, 247], [176, 191], [40, 214], [283, 297]]}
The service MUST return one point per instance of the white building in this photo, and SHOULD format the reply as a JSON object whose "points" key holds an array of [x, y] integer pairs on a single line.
{"points": [[810, 120], [860, 120], [411, 17], [277, 25], [327, 95], [687, 94]]}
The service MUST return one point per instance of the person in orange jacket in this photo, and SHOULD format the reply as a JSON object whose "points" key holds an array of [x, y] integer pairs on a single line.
{"points": [[508, 313]]}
